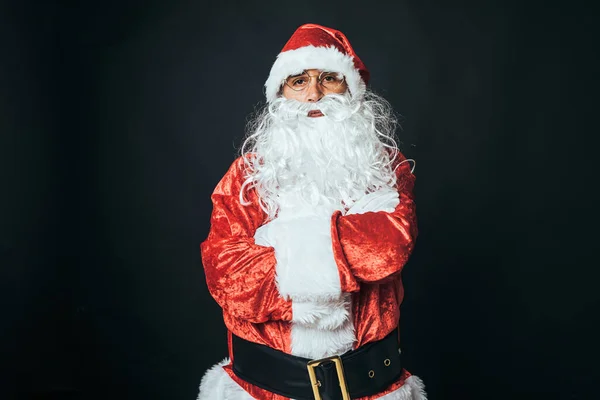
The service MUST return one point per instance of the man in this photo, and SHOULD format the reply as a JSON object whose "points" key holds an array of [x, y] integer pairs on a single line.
{"points": [[310, 230]]}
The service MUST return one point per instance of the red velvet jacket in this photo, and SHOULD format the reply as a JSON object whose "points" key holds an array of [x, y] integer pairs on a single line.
{"points": [[370, 251]]}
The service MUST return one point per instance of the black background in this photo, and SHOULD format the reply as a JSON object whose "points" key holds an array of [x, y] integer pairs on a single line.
{"points": [[117, 119]]}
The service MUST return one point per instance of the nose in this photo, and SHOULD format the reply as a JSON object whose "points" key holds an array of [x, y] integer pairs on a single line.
{"points": [[313, 92]]}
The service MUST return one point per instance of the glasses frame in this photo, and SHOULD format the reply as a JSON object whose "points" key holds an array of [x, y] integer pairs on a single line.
{"points": [[310, 77]]}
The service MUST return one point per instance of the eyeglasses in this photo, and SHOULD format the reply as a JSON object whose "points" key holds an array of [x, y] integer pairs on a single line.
{"points": [[329, 80]]}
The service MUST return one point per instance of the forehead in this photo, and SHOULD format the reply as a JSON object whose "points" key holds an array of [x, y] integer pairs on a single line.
{"points": [[312, 71]]}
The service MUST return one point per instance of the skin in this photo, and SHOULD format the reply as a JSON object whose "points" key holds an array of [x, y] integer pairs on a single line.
{"points": [[314, 92]]}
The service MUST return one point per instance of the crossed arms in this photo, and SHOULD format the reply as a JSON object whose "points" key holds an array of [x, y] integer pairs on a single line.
{"points": [[245, 279]]}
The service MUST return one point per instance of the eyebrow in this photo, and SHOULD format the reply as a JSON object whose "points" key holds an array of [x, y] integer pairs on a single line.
{"points": [[300, 74]]}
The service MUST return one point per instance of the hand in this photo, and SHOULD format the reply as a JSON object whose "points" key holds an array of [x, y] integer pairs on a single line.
{"points": [[382, 200], [293, 208], [263, 236]]}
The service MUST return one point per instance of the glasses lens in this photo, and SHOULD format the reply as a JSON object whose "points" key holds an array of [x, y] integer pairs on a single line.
{"points": [[331, 80], [298, 82]]}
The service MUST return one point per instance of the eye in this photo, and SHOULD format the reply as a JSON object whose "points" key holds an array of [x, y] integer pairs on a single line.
{"points": [[331, 78], [298, 81]]}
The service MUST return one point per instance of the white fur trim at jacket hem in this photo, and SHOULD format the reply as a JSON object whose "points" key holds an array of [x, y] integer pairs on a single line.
{"points": [[218, 385], [310, 57]]}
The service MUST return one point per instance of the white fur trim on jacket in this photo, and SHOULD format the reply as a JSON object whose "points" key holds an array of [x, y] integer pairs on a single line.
{"points": [[310, 57], [218, 385], [312, 343], [322, 329], [324, 315], [306, 269], [413, 389]]}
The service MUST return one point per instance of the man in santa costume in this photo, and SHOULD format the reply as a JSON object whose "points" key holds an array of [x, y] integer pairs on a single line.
{"points": [[310, 230]]}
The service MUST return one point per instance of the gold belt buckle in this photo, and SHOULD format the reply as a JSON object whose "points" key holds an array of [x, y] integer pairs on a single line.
{"points": [[339, 368]]}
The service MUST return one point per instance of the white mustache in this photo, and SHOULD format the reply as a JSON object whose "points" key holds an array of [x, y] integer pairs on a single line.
{"points": [[334, 106]]}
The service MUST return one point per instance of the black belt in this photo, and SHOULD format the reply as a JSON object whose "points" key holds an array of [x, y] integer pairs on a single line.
{"points": [[365, 371]]}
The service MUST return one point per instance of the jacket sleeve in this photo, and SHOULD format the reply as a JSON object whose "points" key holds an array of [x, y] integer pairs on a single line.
{"points": [[374, 246], [240, 274]]}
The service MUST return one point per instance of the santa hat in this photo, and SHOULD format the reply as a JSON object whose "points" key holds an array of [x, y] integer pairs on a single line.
{"points": [[314, 46]]}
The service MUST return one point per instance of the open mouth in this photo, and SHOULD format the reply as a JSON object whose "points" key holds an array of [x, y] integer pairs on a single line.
{"points": [[315, 113]]}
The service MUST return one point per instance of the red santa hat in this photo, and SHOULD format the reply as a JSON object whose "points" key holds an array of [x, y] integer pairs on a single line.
{"points": [[314, 46]]}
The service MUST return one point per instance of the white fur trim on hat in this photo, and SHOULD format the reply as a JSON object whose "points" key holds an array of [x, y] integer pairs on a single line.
{"points": [[310, 57]]}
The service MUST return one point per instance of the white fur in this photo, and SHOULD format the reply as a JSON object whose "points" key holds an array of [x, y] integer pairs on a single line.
{"points": [[413, 389], [301, 236], [332, 160], [306, 269], [327, 315], [218, 385], [316, 343], [298, 170], [310, 57]]}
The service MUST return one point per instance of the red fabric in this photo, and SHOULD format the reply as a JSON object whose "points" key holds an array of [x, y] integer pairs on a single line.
{"points": [[370, 250], [240, 274], [321, 36]]}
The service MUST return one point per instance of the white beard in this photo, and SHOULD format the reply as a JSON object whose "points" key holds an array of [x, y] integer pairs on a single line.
{"points": [[330, 161]]}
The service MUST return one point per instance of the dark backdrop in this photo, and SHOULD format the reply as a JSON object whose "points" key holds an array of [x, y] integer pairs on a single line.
{"points": [[117, 119]]}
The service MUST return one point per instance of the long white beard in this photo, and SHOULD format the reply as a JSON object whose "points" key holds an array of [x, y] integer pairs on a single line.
{"points": [[331, 160]]}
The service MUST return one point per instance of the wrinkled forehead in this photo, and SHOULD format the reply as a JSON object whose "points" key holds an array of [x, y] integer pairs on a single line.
{"points": [[314, 72]]}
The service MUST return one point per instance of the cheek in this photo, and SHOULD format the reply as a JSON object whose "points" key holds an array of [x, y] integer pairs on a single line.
{"points": [[342, 89], [289, 93]]}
